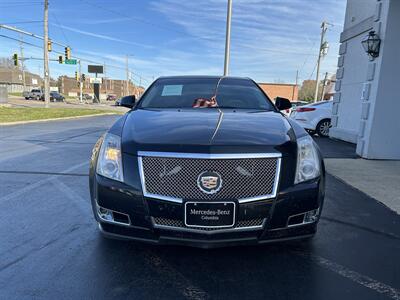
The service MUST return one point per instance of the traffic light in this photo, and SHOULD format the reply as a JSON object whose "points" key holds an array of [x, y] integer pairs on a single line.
{"points": [[15, 58], [76, 76], [60, 59], [83, 77], [67, 52], [49, 46]]}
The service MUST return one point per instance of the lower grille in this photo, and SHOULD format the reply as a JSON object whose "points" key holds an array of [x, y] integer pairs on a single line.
{"points": [[178, 224]]}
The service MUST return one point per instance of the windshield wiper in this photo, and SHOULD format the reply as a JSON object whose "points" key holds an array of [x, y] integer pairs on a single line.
{"points": [[233, 107]]}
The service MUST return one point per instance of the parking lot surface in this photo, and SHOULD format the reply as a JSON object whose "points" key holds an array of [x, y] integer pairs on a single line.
{"points": [[50, 246]]}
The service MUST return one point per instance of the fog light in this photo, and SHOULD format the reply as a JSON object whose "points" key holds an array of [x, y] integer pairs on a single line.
{"points": [[311, 216], [105, 214]]}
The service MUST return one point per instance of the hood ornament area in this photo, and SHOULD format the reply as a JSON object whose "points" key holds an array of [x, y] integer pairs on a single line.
{"points": [[209, 182]]}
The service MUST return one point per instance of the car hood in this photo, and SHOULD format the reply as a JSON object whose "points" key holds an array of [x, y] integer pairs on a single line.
{"points": [[205, 131]]}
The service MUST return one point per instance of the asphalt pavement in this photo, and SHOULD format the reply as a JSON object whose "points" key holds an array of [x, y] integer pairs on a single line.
{"points": [[50, 247]]}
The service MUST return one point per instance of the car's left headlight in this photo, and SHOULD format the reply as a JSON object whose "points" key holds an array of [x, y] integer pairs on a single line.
{"points": [[308, 164], [109, 163]]}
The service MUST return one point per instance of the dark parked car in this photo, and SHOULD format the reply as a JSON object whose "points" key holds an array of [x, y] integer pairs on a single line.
{"points": [[54, 97], [118, 102], [206, 162]]}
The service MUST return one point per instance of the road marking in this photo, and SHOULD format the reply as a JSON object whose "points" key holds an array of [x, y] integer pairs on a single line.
{"points": [[82, 203], [35, 250], [39, 183], [363, 280], [43, 173]]}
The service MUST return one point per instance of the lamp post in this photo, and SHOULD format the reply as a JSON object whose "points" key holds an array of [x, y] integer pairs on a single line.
{"points": [[228, 38]]}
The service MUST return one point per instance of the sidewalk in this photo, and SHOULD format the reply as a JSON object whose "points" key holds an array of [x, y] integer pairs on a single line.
{"points": [[379, 179]]}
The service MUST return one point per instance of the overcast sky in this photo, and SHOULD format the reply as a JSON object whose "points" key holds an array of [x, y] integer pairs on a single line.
{"points": [[271, 39]]}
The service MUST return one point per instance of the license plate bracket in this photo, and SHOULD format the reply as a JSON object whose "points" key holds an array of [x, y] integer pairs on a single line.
{"points": [[210, 214]]}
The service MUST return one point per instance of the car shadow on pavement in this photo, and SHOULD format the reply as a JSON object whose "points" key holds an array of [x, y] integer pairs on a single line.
{"points": [[331, 148], [185, 272]]}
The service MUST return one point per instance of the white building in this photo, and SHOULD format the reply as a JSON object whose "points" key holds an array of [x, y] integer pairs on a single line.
{"points": [[366, 108]]}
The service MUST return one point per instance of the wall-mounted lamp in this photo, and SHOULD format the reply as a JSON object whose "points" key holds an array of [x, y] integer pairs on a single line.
{"points": [[371, 44]]}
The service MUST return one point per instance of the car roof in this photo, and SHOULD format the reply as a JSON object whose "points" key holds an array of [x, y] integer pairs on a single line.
{"points": [[201, 76]]}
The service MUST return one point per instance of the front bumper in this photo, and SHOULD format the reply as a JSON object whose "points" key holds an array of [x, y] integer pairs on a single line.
{"points": [[138, 234], [142, 211]]}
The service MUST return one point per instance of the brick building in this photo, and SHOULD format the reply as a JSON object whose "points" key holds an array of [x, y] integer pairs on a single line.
{"points": [[285, 90], [12, 78], [69, 86]]}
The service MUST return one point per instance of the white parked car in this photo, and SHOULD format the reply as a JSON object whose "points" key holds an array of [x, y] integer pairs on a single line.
{"points": [[295, 104], [315, 118]]}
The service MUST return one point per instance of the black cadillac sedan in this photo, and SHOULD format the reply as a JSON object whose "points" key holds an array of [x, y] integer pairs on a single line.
{"points": [[206, 162]]}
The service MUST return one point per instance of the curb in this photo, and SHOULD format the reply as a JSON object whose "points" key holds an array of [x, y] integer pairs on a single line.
{"points": [[55, 119]]}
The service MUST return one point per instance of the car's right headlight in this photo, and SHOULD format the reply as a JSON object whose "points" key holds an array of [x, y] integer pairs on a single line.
{"points": [[109, 163], [308, 164]]}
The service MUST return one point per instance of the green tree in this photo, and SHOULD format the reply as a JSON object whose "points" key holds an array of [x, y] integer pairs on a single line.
{"points": [[307, 90]]}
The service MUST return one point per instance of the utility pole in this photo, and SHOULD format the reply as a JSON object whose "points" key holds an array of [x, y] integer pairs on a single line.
{"points": [[127, 75], [324, 27], [324, 86], [80, 83], [228, 38], [21, 49], [46, 55], [105, 77], [294, 88]]}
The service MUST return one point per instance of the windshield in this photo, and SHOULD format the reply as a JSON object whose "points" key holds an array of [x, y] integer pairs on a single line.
{"points": [[200, 92]]}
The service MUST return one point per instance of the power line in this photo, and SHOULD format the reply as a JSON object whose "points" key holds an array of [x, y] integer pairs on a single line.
{"points": [[16, 4], [60, 27], [17, 40], [312, 73], [21, 22], [114, 66], [276, 51], [76, 57], [15, 29], [23, 2], [308, 56]]}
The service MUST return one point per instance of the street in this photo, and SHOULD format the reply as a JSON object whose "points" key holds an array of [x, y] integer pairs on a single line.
{"points": [[50, 246]]}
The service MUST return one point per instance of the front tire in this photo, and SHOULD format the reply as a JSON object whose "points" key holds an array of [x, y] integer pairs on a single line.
{"points": [[323, 127]]}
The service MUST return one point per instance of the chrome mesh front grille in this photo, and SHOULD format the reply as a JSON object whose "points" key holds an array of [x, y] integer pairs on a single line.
{"points": [[178, 224], [242, 178]]}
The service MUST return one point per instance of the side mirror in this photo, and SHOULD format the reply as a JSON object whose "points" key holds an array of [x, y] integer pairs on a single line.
{"points": [[128, 101], [282, 103]]}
